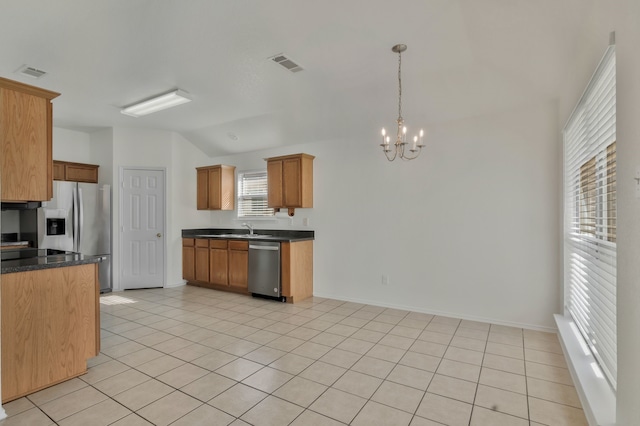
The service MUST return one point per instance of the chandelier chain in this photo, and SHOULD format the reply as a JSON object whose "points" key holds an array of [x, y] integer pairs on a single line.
{"points": [[400, 85]]}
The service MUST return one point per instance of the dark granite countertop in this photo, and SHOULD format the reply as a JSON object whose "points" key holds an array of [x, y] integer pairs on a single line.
{"points": [[46, 262], [279, 235]]}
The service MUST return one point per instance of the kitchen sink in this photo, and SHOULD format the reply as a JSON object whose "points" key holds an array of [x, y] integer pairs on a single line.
{"points": [[235, 235], [245, 235]]}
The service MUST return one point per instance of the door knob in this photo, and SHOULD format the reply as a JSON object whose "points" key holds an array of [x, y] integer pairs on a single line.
{"points": [[158, 235]]}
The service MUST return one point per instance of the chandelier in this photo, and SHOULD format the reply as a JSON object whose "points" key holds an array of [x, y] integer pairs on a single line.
{"points": [[399, 147]]}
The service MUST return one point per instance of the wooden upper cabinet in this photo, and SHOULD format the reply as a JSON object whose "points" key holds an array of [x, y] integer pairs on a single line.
{"points": [[290, 181], [216, 187], [274, 184], [75, 172], [58, 170], [26, 119]]}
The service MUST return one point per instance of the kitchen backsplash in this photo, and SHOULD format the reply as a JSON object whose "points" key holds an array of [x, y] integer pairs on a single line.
{"points": [[10, 221], [21, 222]]}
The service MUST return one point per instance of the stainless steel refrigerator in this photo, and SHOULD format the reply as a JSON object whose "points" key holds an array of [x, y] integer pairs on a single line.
{"points": [[78, 219]]}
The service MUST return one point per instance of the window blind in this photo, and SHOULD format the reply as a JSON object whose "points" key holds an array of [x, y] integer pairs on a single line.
{"points": [[590, 215], [252, 195]]}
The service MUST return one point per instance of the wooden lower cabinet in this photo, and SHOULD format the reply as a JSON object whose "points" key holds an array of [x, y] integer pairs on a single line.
{"points": [[189, 259], [296, 269], [218, 262], [228, 266], [202, 260], [50, 327], [238, 264], [213, 263]]}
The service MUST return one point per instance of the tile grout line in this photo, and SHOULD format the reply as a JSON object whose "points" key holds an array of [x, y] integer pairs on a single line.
{"points": [[231, 307]]}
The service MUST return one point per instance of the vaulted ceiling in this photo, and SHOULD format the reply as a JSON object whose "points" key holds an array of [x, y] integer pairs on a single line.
{"points": [[464, 58]]}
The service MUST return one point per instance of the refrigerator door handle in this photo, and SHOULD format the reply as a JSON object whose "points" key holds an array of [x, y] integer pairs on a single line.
{"points": [[80, 217], [74, 225]]}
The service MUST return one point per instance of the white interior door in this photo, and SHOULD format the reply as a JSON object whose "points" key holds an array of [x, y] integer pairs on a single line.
{"points": [[142, 228]]}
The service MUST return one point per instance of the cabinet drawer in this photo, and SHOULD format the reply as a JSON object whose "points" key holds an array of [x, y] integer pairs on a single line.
{"points": [[188, 242], [218, 244], [238, 245], [201, 242]]}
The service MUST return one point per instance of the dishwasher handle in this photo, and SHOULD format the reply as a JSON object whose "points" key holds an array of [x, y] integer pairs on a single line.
{"points": [[274, 248]]}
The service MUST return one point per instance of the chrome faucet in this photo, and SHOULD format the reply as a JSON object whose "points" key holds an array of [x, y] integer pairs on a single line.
{"points": [[250, 226]]}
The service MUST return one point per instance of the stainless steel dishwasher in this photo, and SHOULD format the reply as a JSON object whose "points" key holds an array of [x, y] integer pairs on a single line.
{"points": [[264, 269]]}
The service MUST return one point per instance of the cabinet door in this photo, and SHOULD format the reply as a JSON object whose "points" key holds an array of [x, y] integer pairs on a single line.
{"points": [[215, 177], [58, 170], [203, 189], [27, 168], [50, 324], [238, 268], [296, 262], [274, 184], [188, 263], [292, 182], [202, 260], [81, 173], [218, 266]]}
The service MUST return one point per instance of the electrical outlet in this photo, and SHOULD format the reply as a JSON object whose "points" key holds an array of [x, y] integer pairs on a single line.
{"points": [[385, 279], [305, 221]]}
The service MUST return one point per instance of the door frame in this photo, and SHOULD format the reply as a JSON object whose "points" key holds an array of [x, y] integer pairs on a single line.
{"points": [[121, 215]]}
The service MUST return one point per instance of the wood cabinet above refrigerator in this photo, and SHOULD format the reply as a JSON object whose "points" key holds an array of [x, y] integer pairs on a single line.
{"points": [[75, 172], [26, 120]]}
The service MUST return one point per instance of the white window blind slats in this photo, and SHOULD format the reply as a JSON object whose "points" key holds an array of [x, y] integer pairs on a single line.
{"points": [[590, 215], [252, 195]]}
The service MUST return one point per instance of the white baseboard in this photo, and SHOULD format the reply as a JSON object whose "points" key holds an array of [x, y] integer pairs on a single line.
{"points": [[436, 312], [596, 395], [3, 414], [178, 284]]}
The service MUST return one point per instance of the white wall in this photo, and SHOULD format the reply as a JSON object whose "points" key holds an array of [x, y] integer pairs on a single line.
{"points": [[628, 147], [182, 212], [10, 221], [626, 18], [137, 148], [70, 145], [469, 229], [164, 150], [102, 154]]}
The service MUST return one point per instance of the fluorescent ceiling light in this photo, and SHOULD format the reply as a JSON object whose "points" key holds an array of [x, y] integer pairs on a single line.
{"points": [[168, 100]]}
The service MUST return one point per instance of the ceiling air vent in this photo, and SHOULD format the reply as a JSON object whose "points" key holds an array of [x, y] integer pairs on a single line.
{"points": [[30, 71], [286, 62]]}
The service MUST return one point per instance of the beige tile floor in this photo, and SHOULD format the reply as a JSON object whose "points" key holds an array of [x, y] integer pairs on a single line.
{"points": [[191, 356]]}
